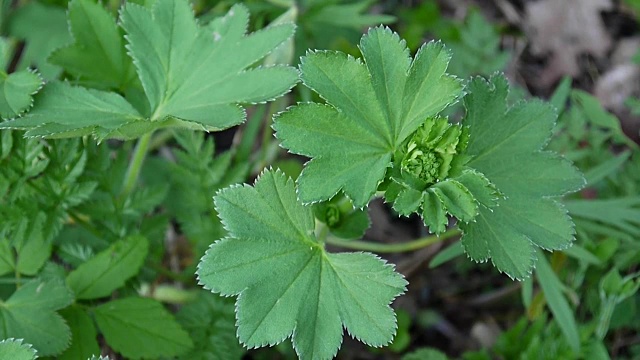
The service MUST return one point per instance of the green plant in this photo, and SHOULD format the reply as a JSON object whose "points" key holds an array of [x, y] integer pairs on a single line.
{"points": [[85, 254]]}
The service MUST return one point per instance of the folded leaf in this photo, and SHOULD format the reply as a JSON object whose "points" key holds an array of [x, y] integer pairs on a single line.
{"points": [[287, 284]]}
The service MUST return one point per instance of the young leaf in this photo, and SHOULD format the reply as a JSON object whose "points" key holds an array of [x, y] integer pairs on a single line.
{"points": [[372, 107], [16, 92], [109, 270], [141, 328], [98, 54], [193, 77], [84, 341], [29, 314], [287, 284], [505, 145], [15, 350]]}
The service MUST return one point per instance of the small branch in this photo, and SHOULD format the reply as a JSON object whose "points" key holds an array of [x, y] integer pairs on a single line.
{"points": [[393, 248], [139, 153]]}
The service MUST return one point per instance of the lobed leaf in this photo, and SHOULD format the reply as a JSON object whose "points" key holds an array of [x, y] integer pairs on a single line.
{"points": [[506, 146], [287, 284], [16, 91], [193, 76], [62, 110], [372, 107], [30, 314], [15, 349], [97, 55], [204, 86]]}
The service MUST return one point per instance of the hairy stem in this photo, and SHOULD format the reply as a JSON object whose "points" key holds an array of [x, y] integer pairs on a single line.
{"points": [[139, 153], [392, 248]]}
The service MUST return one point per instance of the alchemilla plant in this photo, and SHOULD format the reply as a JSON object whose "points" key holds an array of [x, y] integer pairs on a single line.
{"points": [[378, 130]]}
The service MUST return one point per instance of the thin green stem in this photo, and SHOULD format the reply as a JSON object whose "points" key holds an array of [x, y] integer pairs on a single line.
{"points": [[160, 139], [393, 248], [322, 231], [139, 153]]}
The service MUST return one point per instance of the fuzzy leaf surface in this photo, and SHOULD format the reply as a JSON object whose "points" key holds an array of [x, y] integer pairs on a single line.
{"points": [[30, 314], [287, 284], [101, 275], [193, 76], [16, 90], [205, 85], [98, 54], [15, 350], [141, 328], [506, 145], [371, 107]]}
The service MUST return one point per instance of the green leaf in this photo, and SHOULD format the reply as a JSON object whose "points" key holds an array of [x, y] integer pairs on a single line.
{"points": [[193, 77], [204, 86], [476, 50], [506, 146], [62, 110], [44, 29], [562, 312], [449, 253], [84, 342], [16, 90], [7, 261], [372, 107], [287, 284], [34, 249], [98, 55], [606, 168], [619, 213], [141, 328], [30, 314], [353, 15], [110, 269], [14, 349]]}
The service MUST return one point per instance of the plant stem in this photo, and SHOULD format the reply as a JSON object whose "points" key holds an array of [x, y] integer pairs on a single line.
{"points": [[139, 153], [160, 139], [392, 248]]}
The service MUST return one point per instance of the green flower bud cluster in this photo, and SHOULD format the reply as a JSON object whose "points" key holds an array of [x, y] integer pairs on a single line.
{"points": [[429, 154], [421, 163], [429, 176]]}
